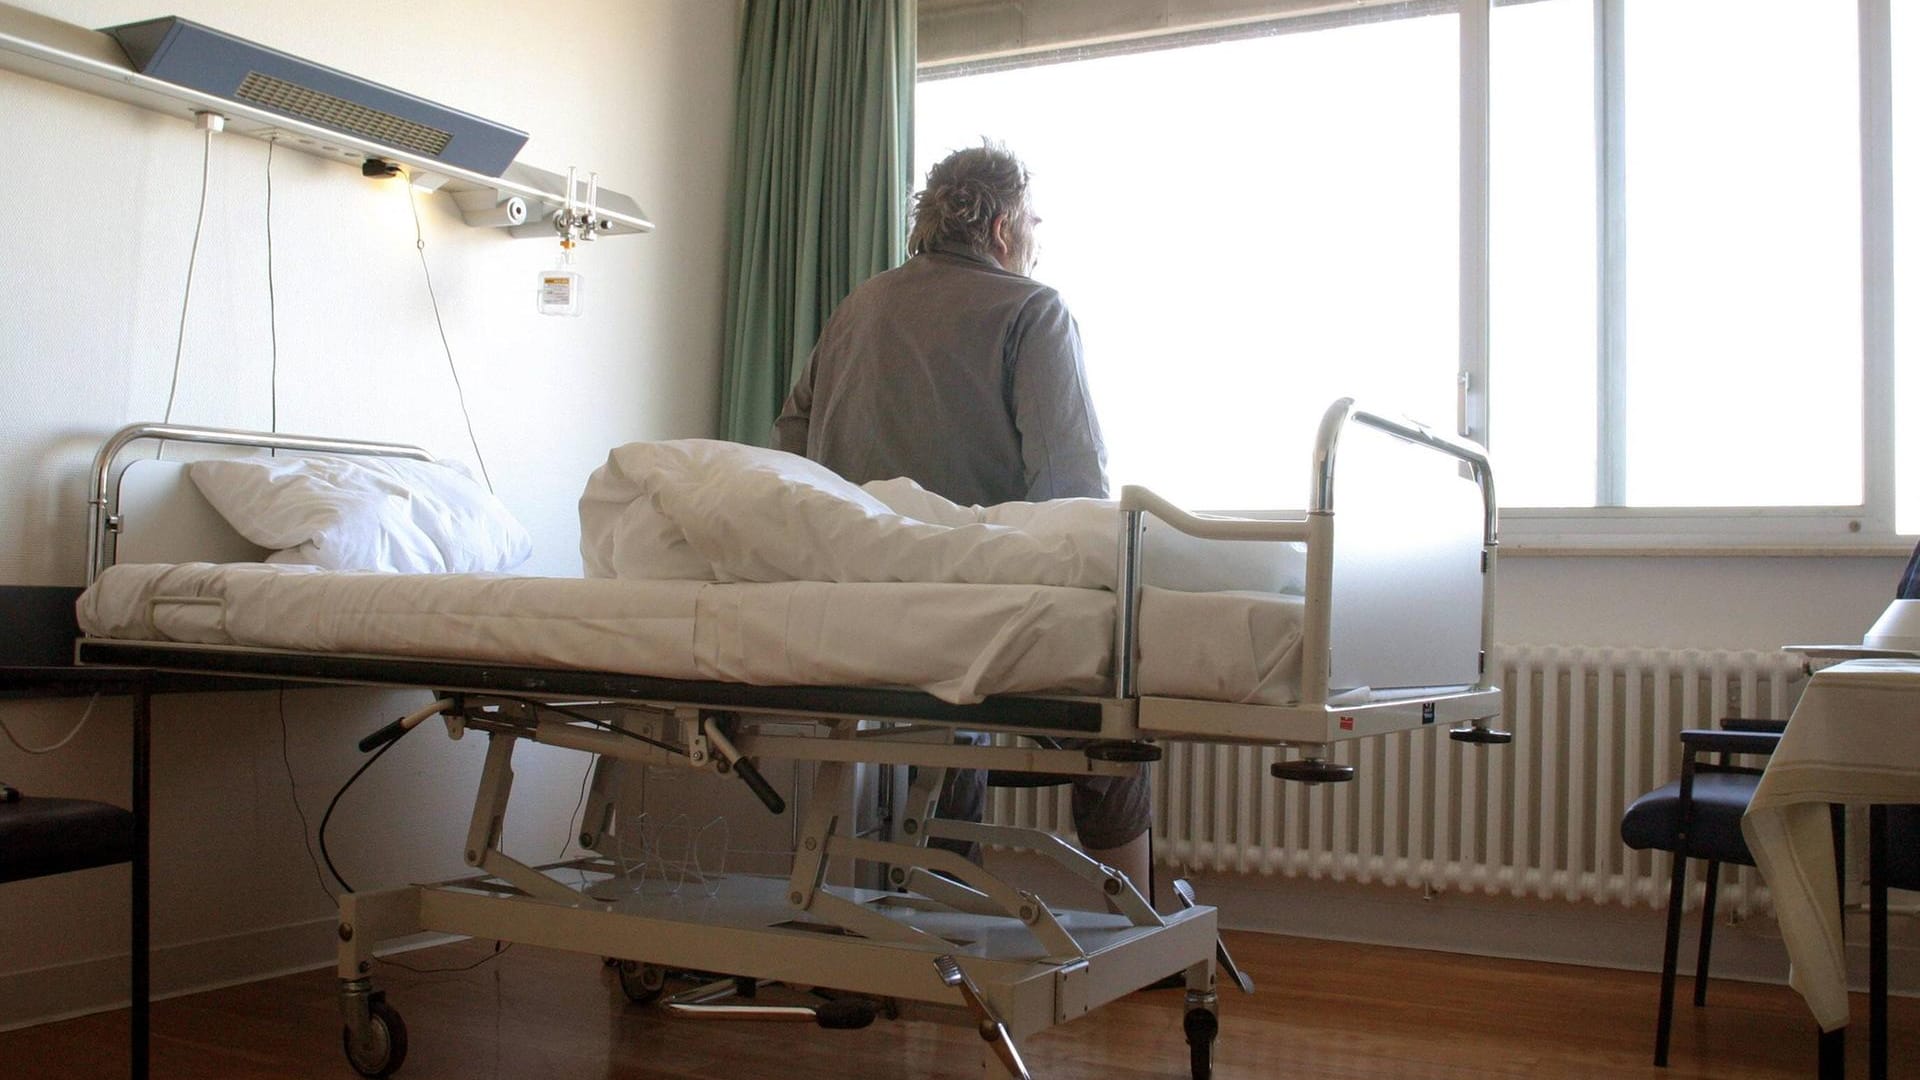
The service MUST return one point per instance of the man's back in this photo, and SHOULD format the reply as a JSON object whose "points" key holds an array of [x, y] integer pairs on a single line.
{"points": [[957, 373]]}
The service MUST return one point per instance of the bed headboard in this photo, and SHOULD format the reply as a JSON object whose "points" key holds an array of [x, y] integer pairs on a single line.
{"points": [[164, 519], [151, 512]]}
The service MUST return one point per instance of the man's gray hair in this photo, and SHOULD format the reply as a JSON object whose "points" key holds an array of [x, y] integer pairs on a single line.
{"points": [[964, 193]]}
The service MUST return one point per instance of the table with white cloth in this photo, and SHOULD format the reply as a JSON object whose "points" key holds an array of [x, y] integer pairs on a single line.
{"points": [[1853, 738]]}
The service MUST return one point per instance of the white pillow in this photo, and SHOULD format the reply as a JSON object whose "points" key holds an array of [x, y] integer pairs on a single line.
{"points": [[386, 514]]}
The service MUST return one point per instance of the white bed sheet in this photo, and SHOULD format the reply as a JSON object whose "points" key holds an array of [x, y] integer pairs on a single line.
{"points": [[958, 642]]}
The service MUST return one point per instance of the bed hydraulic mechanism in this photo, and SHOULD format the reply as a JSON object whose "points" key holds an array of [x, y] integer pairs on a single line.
{"points": [[1023, 964]]}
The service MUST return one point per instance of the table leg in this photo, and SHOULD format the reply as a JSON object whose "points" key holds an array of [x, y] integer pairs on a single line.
{"points": [[1833, 1054], [142, 800], [1877, 942]]}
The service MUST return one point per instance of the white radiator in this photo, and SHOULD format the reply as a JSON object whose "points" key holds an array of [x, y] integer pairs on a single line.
{"points": [[1592, 729]]}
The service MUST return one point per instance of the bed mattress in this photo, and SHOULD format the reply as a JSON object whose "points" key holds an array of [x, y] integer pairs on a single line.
{"points": [[957, 642]]}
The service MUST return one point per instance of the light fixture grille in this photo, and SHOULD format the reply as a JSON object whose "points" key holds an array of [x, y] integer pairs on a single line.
{"points": [[340, 114]]}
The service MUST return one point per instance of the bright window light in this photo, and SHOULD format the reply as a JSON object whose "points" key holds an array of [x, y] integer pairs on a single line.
{"points": [[1544, 265], [1245, 230], [1743, 254], [1906, 252]]}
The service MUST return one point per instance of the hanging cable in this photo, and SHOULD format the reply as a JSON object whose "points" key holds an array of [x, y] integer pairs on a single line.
{"points": [[273, 314], [328, 816], [186, 296], [293, 792], [609, 727], [25, 749], [420, 245], [386, 739], [585, 780]]}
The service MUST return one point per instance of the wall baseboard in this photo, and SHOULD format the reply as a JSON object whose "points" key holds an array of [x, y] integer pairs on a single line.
{"points": [[64, 991]]}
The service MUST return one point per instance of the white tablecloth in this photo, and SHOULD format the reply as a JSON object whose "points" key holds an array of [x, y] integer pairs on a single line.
{"points": [[1854, 738]]}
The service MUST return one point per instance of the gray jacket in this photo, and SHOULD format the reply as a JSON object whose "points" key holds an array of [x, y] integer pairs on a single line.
{"points": [[957, 373]]}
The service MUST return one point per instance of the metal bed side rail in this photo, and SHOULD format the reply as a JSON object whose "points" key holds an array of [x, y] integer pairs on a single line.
{"points": [[1314, 666], [1316, 530], [1469, 453], [103, 497]]}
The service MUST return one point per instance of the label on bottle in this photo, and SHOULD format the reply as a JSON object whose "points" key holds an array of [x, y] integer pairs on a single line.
{"points": [[556, 290]]}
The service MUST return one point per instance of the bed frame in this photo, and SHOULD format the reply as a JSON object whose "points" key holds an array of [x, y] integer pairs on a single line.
{"points": [[1401, 606]]}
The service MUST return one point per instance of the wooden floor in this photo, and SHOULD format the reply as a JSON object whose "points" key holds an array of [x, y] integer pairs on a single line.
{"points": [[1323, 1010]]}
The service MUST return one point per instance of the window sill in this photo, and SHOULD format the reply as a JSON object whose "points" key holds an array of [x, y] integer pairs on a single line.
{"points": [[1630, 548]]}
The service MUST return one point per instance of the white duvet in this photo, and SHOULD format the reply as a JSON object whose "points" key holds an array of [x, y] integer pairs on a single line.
{"points": [[704, 510], [748, 565]]}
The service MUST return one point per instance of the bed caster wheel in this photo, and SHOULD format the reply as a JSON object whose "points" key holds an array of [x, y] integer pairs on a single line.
{"points": [[1312, 771], [381, 1051], [1480, 736], [1128, 753], [1202, 1027], [642, 983]]}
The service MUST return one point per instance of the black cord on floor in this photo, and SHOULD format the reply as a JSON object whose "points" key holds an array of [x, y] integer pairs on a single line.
{"points": [[498, 948]]}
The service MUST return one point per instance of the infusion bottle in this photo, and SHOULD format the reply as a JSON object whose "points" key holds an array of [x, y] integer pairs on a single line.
{"points": [[559, 292]]}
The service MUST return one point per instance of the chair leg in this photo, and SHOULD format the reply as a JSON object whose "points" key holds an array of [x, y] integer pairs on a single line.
{"points": [[1676, 899], [1833, 1054], [1706, 933], [1876, 942]]}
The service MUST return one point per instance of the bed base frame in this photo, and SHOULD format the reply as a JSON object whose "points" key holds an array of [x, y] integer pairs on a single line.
{"points": [[962, 943]]}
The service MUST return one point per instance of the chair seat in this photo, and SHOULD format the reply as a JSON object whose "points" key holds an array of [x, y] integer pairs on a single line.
{"points": [[1719, 801], [39, 836]]}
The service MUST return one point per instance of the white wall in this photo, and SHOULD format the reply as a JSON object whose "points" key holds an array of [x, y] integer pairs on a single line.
{"points": [[101, 201], [1704, 602]]}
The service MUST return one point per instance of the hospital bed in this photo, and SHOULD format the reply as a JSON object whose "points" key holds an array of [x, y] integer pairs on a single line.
{"points": [[1387, 632]]}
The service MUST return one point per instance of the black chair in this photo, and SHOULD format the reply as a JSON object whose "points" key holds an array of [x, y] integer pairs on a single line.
{"points": [[1698, 817], [1894, 854], [41, 836]]}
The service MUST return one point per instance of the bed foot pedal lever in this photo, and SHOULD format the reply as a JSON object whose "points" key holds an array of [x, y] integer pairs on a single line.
{"points": [[992, 1030], [1124, 751], [407, 723], [1479, 734], [1312, 770], [1184, 891], [709, 1002], [715, 728]]}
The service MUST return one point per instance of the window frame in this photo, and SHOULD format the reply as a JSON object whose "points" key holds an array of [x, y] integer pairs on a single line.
{"points": [[1610, 528]]}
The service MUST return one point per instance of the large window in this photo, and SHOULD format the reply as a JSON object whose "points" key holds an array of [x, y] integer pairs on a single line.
{"points": [[1905, 136], [1245, 230], [1743, 358], [1543, 261], [1254, 221]]}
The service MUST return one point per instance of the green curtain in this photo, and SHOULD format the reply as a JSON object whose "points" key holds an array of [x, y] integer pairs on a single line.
{"points": [[822, 171]]}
